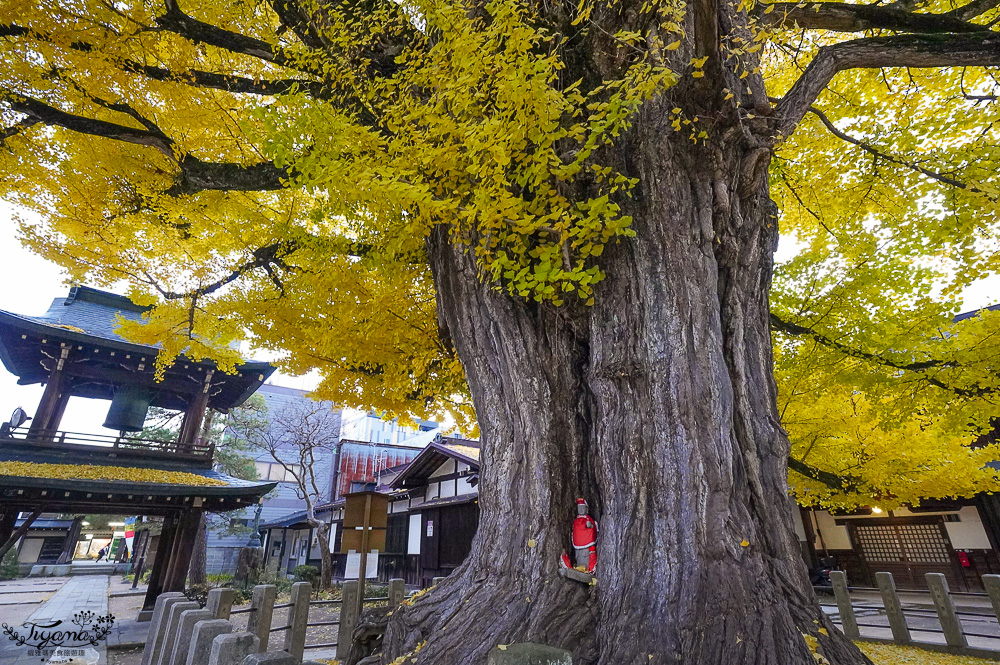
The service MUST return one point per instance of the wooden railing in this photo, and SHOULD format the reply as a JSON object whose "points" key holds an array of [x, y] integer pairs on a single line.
{"points": [[111, 446]]}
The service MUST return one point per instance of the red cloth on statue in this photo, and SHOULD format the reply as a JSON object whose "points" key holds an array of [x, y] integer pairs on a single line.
{"points": [[584, 531]]}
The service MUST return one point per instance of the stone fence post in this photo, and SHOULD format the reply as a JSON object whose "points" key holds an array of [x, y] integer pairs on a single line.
{"points": [[220, 602], [992, 584], [397, 591], [893, 609], [945, 606], [261, 611], [298, 619], [348, 618], [843, 596]]}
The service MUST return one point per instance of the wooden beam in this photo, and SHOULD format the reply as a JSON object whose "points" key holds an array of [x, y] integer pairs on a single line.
{"points": [[157, 572], [21, 530]]}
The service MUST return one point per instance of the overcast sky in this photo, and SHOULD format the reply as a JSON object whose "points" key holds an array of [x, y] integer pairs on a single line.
{"points": [[32, 282]]}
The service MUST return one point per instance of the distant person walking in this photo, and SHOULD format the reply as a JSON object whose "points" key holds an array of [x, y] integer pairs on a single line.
{"points": [[102, 553]]}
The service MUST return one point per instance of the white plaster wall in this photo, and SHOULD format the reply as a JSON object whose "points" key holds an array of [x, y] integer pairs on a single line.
{"points": [[445, 469], [30, 550], [413, 535], [833, 536], [968, 534], [800, 531], [465, 487]]}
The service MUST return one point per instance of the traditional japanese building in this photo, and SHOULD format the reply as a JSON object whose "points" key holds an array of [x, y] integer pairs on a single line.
{"points": [[74, 350], [433, 517]]}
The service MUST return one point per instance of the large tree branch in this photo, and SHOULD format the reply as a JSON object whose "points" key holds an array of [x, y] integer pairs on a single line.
{"points": [[920, 367], [843, 17], [195, 175], [193, 77], [872, 150], [968, 50], [973, 9], [41, 112]]}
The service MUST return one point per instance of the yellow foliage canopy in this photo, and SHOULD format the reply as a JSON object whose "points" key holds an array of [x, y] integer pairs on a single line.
{"points": [[254, 173]]}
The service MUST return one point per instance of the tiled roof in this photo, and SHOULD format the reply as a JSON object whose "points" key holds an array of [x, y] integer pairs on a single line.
{"points": [[471, 452], [968, 315], [90, 311]]}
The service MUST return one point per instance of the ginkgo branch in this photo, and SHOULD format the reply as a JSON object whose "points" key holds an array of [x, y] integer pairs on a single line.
{"points": [[16, 128], [975, 49], [934, 175], [264, 258], [843, 17], [921, 367], [194, 176], [41, 112], [831, 480], [973, 9]]}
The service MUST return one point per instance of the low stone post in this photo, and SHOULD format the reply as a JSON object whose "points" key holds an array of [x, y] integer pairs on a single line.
{"points": [[232, 649], [203, 638], [945, 606], [185, 633], [348, 618], [261, 611], [161, 610], [528, 653], [397, 591], [166, 649], [843, 596], [992, 585], [220, 602], [893, 610], [436, 580], [298, 618]]}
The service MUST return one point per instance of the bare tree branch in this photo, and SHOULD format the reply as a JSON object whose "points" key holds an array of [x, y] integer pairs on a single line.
{"points": [[843, 17], [975, 49]]}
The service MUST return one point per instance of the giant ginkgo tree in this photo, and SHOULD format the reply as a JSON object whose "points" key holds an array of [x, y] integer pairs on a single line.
{"points": [[557, 218]]}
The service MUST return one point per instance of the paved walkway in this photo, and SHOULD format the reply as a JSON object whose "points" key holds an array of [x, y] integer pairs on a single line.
{"points": [[78, 594]]}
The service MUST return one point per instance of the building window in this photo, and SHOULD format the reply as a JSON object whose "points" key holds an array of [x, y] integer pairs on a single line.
{"points": [[275, 471]]}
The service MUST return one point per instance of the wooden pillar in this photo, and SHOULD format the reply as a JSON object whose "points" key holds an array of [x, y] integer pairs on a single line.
{"points": [[69, 544], [157, 571], [187, 532], [195, 415], [49, 404], [7, 522], [988, 506], [60, 408], [21, 530]]}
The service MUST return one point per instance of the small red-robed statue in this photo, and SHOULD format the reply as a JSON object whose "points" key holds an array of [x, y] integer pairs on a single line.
{"points": [[584, 540]]}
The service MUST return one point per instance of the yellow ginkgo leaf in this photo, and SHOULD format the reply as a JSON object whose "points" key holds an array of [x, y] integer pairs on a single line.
{"points": [[745, 543]]}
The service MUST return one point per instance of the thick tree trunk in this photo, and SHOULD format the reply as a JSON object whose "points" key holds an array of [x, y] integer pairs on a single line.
{"points": [[657, 405], [198, 570]]}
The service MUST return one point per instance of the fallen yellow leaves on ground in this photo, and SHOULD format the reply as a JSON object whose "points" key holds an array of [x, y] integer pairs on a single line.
{"points": [[95, 472], [890, 654]]}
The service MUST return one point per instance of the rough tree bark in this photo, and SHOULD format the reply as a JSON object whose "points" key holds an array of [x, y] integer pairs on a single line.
{"points": [[198, 570], [657, 405]]}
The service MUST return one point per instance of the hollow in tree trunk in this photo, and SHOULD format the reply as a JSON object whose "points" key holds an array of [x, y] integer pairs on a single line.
{"points": [[657, 405]]}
